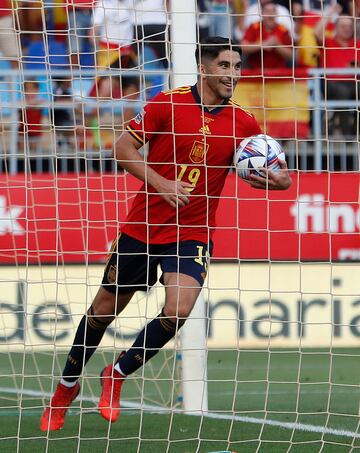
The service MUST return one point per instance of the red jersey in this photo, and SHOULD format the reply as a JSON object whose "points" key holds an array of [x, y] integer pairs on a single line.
{"points": [[267, 59], [31, 121], [333, 55], [189, 143], [5, 8]]}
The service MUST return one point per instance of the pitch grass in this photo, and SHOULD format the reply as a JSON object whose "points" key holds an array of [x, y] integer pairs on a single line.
{"points": [[313, 387]]}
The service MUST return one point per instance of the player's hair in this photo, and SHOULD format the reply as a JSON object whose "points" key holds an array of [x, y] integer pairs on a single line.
{"points": [[211, 46]]}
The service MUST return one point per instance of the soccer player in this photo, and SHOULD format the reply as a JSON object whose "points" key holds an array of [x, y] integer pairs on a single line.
{"points": [[192, 133]]}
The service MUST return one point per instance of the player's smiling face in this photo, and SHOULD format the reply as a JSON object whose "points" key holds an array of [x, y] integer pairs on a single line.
{"points": [[222, 73]]}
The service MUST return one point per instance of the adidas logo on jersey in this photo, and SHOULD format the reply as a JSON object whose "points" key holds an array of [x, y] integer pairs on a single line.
{"points": [[205, 130]]}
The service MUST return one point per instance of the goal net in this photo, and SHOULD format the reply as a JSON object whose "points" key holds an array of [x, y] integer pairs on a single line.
{"points": [[269, 360]]}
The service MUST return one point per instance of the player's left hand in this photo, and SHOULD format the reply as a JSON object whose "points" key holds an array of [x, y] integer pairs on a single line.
{"points": [[279, 180]]}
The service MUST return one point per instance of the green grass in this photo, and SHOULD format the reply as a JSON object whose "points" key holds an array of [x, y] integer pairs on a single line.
{"points": [[312, 388]]}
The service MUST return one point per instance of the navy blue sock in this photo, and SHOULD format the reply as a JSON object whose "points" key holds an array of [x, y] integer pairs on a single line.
{"points": [[148, 343], [87, 338]]}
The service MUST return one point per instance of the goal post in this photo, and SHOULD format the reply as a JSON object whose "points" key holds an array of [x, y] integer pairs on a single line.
{"points": [[193, 333], [183, 42]]}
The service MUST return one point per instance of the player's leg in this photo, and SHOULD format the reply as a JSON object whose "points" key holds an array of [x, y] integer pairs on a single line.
{"points": [[181, 293], [184, 267], [184, 271], [137, 270], [105, 307]]}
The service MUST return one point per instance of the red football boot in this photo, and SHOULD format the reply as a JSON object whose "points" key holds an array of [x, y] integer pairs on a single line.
{"points": [[111, 382], [53, 416]]}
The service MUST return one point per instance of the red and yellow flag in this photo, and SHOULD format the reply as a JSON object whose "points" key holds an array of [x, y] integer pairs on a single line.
{"points": [[280, 104]]}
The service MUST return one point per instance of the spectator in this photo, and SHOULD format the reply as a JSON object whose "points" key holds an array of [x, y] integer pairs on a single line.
{"points": [[63, 118], [354, 11], [31, 115], [113, 33], [283, 17], [318, 5], [31, 15], [239, 7], [9, 44], [340, 51], [220, 23], [203, 21], [115, 87], [267, 44], [80, 20], [106, 88], [106, 121], [131, 94], [151, 27], [308, 52]]}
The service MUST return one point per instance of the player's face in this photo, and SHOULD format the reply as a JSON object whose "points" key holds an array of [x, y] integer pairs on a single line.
{"points": [[222, 73]]}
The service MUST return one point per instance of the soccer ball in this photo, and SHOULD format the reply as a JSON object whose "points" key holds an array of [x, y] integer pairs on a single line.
{"points": [[255, 152]]}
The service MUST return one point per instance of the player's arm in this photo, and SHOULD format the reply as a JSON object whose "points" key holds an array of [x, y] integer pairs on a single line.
{"points": [[270, 180], [127, 155]]}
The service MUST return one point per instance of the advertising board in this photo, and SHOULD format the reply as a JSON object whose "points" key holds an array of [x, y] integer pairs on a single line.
{"points": [[74, 218], [248, 306]]}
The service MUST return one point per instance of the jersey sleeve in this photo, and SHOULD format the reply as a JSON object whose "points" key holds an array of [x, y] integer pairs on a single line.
{"points": [[254, 127], [250, 122], [151, 120]]}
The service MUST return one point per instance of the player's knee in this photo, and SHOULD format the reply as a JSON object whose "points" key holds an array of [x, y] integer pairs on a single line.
{"points": [[176, 315], [102, 315], [103, 307]]}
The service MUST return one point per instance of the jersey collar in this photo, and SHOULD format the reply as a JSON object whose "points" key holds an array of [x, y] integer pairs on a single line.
{"points": [[197, 98]]}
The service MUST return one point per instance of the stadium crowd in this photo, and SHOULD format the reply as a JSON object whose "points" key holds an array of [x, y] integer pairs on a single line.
{"points": [[72, 35], [89, 28]]}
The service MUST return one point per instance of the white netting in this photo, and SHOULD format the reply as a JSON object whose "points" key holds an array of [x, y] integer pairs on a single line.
{"points": [[282, 317]]}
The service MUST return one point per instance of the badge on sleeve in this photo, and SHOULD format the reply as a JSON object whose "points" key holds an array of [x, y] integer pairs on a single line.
{"points": [[139, 117]]}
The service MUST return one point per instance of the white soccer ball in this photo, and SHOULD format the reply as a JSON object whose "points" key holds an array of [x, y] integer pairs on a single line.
{"points": [[255, 152]]}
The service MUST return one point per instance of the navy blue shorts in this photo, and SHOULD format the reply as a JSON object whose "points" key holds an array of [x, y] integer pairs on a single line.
{"points": [[132, 264]]}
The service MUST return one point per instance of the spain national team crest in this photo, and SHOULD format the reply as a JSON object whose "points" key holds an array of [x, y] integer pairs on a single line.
{"points": [[198, 151], [111, 275]]}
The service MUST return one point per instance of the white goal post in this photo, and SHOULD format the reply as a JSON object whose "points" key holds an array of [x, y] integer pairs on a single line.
{"points": [[193, 333]]}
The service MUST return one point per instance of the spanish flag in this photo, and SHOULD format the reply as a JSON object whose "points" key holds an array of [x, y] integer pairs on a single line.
{"points": [[279, 102], [308, 50]]}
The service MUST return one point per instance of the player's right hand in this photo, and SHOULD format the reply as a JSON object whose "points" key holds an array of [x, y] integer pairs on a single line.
{"points": [[175, 193]]}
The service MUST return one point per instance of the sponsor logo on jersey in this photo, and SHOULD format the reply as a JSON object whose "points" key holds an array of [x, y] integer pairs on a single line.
{"points": [[198, 151], [205, 130]]}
